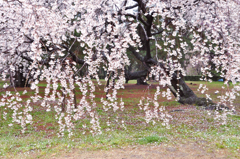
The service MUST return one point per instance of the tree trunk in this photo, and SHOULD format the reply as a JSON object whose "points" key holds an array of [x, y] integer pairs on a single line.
{"points": [[141, 81], [111, 74], [187, 96], [19, 80], [178, 87], [180, 90]]}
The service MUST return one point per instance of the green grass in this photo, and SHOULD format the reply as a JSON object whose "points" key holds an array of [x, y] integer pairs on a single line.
{"points": [[214, 84], [170, 103], [41, 139], [237, 117], [132, 82], [152, 139], [1, 84], [13, 142]]}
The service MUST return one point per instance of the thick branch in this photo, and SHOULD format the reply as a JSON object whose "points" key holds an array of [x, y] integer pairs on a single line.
{"points": [[30, 39], [27, 58], [141, 5], [136, 75], [159, 32], [135, 17], [136, 54], [131, 7], [43, 62], [74, 57], [147, 41]]}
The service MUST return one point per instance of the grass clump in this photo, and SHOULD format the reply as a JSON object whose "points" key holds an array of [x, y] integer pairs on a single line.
{"points": [[151, 139]]}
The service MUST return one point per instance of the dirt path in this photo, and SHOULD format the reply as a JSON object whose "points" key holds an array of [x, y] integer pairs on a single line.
{"points": [[179, 151]]}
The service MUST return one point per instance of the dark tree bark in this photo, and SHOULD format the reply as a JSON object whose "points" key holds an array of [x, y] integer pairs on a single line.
{"points": [[141, 81], [19, 80], [110, 76]]}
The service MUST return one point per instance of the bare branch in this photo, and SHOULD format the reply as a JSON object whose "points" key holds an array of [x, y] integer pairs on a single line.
{"points": [[30, 39], [131, 7], [159, 32]]}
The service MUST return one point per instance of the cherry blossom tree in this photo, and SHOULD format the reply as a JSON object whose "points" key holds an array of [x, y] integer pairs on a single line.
{"points": [[37, 37]]}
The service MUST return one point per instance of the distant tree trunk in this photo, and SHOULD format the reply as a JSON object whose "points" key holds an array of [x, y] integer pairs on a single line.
{"points": [[127, 70], [19, 80], [141, 81], [111, 74], [63, 102], [74, 92]]}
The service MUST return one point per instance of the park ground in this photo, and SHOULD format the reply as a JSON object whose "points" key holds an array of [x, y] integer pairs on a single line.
{"points": [[193, 133]]}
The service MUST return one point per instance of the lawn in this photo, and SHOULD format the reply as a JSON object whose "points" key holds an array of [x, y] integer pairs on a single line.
{"points": [[188, 124]]}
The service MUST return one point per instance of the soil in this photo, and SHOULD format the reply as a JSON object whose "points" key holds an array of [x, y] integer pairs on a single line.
{"points": [[163, 151]]}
